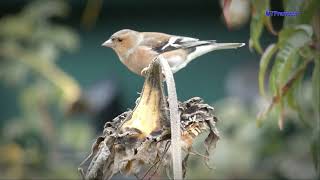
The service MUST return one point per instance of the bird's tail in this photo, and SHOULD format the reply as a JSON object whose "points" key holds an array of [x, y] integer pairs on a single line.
{"points": [[217, 46], [211, 46]]}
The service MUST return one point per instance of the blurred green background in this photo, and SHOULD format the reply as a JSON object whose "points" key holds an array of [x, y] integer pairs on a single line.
{"points": [[47, 130]]}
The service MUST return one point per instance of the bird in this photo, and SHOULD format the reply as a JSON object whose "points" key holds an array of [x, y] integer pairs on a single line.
{"points": [[137, 50]]}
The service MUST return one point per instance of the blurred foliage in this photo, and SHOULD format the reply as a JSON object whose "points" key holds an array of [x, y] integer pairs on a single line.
{"points": [[31, 43], [296, 51], [38, 142], [91, 13], [248, 152]]}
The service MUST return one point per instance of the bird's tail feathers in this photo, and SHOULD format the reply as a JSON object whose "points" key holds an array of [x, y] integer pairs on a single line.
{"points": [[227, 45], [203, 49]]}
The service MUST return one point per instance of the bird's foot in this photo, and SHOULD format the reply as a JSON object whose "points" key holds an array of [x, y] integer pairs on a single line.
{"points": [[144, 71], [138, 100]]}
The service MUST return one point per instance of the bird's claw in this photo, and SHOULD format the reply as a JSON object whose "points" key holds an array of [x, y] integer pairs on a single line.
{"points": [[138, 100], [145, 70]]}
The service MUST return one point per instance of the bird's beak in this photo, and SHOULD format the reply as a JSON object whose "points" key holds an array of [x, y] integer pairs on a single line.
{"points": [[108, 43]]}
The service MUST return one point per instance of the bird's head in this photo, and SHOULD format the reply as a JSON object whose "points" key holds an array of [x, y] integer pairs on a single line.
{"points": [[122, 41]]}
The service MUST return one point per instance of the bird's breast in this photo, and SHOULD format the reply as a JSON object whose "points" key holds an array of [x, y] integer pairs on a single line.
{"points": [[140, 59]]}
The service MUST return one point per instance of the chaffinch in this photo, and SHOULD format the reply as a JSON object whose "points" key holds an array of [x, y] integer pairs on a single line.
{"points": [[137, 50]]}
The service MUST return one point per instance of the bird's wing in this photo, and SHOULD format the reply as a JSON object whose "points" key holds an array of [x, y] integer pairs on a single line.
{"points": [[179, 42]]}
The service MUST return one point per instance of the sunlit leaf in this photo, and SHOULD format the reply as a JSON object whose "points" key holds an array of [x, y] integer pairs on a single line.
{"points": [[264, 62]]}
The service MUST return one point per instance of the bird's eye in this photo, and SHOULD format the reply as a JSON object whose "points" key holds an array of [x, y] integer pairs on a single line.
{"points": [[120, 40]]}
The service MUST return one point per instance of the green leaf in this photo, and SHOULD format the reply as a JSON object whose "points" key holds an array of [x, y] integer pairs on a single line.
{"points": [[267, 19], [307, 53], [264, 62], [289, 62], [284, 35], [288, 56], [293, 102], [255, 33], [268, 23], [288, 32], [293, 94], [256, 26], [290, 41], [272, 78]]}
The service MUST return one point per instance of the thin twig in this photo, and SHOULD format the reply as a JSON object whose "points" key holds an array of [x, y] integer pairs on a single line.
{"points": [[155, 163], [198, 154], [160, 160]]}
